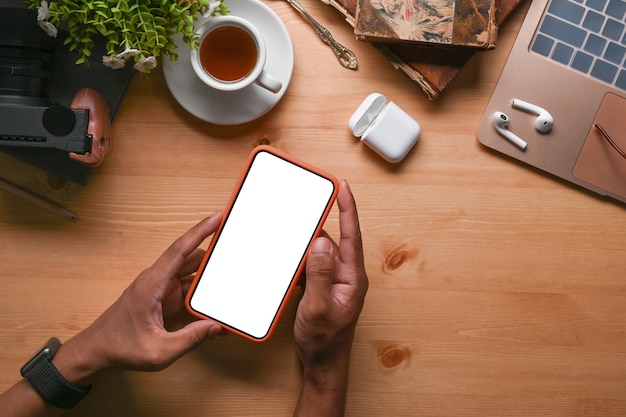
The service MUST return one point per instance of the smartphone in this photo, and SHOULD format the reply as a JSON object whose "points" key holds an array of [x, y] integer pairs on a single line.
{"points": [[258, 252]]}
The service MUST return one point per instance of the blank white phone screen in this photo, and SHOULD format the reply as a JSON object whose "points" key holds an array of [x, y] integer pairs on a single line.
{"points": [[263, 242]]}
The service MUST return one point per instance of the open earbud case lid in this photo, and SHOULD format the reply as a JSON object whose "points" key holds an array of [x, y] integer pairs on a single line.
{"points": [[366, 113]]}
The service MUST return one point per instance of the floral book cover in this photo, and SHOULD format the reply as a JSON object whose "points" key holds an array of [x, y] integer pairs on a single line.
{"points": [[466, 23], [432, 69]]}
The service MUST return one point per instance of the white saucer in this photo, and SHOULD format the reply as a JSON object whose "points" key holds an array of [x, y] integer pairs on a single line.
{"points": [[252, 102]]}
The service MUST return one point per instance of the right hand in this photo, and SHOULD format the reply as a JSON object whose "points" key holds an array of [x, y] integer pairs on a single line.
{"points": [[335, 288]]}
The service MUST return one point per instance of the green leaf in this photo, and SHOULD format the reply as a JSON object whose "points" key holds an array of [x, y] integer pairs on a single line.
{"points": [[148, 25]]}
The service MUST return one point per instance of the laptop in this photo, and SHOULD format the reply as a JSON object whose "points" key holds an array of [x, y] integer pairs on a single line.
{"points": [[570, 59]]}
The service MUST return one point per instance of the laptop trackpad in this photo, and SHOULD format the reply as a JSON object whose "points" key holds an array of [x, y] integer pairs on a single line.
{"points": [[599, 163]]}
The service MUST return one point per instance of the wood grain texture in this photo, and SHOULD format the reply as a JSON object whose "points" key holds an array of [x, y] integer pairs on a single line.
{"points": [[494, 290]]}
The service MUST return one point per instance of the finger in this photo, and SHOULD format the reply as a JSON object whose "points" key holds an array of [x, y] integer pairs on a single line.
{"points": [[320, 270], [172, 298], [192, 263], [170, 262], [350, 245], [191, 336], [302, 278], [174, 256], [325, 234], [186, 284]]}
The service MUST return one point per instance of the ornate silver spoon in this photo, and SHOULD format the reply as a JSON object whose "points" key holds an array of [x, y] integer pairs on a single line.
{"points": [[345, 56]]}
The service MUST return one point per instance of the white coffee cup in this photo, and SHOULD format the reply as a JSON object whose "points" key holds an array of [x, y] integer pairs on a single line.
{"points": [[232, 55]]}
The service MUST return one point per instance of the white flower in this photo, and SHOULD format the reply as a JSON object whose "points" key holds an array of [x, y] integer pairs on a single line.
{"points": [[42, 19], [146, 64], [49, 28], [113, 62], [210, 9], [128, 53], [42, 12]]}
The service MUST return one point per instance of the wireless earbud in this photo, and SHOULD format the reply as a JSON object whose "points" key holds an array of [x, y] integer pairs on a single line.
{"points": [[544, 121], [501, 123]]}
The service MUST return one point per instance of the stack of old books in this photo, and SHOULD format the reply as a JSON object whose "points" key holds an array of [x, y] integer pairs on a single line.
{"points": [[429, 40]]}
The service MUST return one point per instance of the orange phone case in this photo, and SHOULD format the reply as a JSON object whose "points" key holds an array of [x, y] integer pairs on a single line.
{"points": [[196, 280]]}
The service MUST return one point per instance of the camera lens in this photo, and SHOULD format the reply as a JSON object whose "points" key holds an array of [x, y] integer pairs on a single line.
{"points": [[25, 58]]}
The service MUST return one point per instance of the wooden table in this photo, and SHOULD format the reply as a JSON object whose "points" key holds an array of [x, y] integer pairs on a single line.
{"points": [[494, 290]]}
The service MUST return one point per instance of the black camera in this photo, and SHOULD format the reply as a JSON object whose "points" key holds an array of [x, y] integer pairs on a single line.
{"points": [[27, 118]]}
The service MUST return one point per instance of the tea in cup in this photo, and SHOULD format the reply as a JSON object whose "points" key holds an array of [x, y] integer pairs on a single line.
{"points": [[232, 55]]}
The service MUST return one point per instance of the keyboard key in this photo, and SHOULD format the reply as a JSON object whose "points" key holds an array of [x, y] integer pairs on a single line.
{"points": [[564, 31], [616, 9], [615, 53], [613, 29], [593, 21], [596, 4], [588, 36], [582, 62], [595, 45], [604, 71], [542, 45], [621, 80], [562, 53], [567, 10]]}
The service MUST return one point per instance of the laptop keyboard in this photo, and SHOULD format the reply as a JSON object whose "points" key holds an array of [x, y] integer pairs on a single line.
{"points": [[586, 35]]}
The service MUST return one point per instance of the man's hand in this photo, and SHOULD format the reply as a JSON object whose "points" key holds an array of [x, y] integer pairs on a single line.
{"points": [[335, 288], [131, 333]]}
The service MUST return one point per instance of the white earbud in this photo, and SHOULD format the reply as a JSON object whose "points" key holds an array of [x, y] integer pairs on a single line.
{"points": [[544, 121], [501, 123]]}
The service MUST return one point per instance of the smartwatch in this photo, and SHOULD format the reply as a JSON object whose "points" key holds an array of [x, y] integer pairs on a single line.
{"points": [[48, 381]]}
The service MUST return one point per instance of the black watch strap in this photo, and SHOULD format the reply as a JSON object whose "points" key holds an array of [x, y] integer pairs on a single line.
{"points": [[51, 385]]}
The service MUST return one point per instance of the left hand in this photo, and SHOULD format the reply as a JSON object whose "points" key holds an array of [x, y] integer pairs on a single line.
{"points": [[131, 333]]}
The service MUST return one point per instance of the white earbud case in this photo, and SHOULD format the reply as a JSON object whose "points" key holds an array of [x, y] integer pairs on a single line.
{"points": [[385, 127]]}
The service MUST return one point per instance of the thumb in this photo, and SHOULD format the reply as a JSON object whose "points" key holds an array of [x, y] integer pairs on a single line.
{"points": [[192, 335], [320, 268]]}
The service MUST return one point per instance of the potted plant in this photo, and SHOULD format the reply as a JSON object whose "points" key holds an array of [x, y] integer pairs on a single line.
{"points": [[135, 31]]}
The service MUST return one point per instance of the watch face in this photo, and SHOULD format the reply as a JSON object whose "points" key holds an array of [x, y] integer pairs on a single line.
{"points": [[47, 352], [52, 345]]}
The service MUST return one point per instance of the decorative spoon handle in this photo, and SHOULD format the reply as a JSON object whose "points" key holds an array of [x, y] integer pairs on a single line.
{"points": [[345, 56]]}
